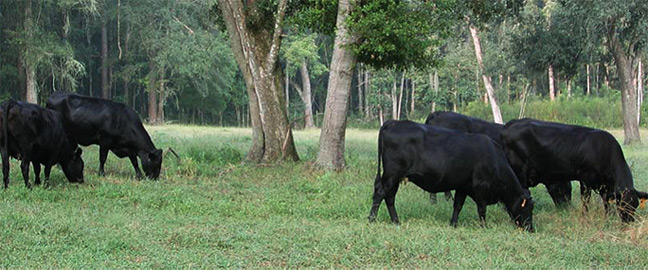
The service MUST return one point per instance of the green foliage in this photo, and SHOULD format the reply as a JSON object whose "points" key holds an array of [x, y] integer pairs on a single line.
{"points": [[290, 216], [587, 111], [400, 34], [298, 48]]}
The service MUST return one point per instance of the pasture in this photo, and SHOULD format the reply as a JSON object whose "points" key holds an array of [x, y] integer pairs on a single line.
{"points": [[209, 210]]}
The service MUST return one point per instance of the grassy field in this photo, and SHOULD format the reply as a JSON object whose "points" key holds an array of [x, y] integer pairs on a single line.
{"points": [[209, 210]]}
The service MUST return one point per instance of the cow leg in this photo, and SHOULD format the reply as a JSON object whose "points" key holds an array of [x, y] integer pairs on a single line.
{"points": [[560, 193], [448, 196], [381, 191], [586, 193], [378, 196], [389, 200], [481, 211], [24, 166], [37, 168], [5, 167], [606, 200], [433, 198], [459, 200], [48, 169], [103, 155], [138, 173]]}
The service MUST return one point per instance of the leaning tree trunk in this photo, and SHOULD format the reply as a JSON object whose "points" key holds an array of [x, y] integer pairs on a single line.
{"points": [[628, 92], [497, 115], [256, 51], [331, 154], [30, 70]]}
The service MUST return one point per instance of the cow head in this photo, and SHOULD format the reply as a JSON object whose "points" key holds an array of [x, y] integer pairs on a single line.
{"points": [[152, 163], [522, 212], [629, 200], [73, 168]]}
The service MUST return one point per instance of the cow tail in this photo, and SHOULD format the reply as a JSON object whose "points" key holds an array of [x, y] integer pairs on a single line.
{"points": [[5, 142], [5, 125], [380, 150]]}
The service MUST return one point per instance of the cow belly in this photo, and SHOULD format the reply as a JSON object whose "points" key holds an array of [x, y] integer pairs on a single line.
{"points": [[436, 184]]}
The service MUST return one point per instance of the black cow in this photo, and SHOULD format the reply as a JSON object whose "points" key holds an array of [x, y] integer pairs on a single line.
{"points": [[551, 151], [111, 125], [560, 191], [438, 159], [35, 135]]}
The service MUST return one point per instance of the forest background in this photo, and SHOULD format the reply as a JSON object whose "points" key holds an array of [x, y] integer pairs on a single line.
{"points": [[186, 62]]}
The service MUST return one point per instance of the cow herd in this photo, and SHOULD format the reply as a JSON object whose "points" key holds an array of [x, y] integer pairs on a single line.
{"points": [[490, 163], [494, 163], [50, 136]]}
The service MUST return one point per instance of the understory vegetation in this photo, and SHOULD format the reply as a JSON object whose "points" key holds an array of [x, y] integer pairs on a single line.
{"points": [[210, 210]]}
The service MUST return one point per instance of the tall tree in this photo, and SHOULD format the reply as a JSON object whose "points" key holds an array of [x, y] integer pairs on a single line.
{"points": [[382, 34], [256, 46], [29, 62], [105, 84], [490, 90], [331, 153], [620, 26]]}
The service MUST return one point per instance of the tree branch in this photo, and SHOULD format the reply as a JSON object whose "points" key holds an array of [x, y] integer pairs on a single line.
{"points": [[181, 23], [276, 36]]}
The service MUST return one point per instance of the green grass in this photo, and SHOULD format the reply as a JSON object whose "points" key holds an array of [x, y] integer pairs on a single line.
{"points": [[209, 210]]}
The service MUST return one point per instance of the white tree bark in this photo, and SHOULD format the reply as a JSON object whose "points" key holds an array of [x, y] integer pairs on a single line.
{"points": [[552, 88], [497, 115]]}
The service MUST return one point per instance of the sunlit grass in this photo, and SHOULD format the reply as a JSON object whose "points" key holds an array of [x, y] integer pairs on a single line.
{"points": [[210, 210]]}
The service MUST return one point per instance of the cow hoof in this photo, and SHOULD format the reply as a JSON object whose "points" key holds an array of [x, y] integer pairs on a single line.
{"points": [[371, 219]]}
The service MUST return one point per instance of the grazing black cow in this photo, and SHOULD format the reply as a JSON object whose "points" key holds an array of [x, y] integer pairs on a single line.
{"points": [[438, 159], [111, 125], [553, 151], [560, 191], [35, 135]]}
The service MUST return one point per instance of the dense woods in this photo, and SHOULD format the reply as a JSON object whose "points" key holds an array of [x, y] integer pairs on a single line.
{"points": [[278, 65]]}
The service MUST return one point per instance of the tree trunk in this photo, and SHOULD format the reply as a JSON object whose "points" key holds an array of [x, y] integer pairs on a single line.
{"points": [[394, 99], [552, 89], [21, 76], [400, 96], [569, 92], [497, 115], [411, 112], [639, 90], [256, 51], [628, 91], [331, 154], [31, 95], [306, 96], [127, 79], [367, 90], [160, 105], [152, 97], [105, 88], [434, 83], [360, 76], [287, 85], [588, 79]]}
